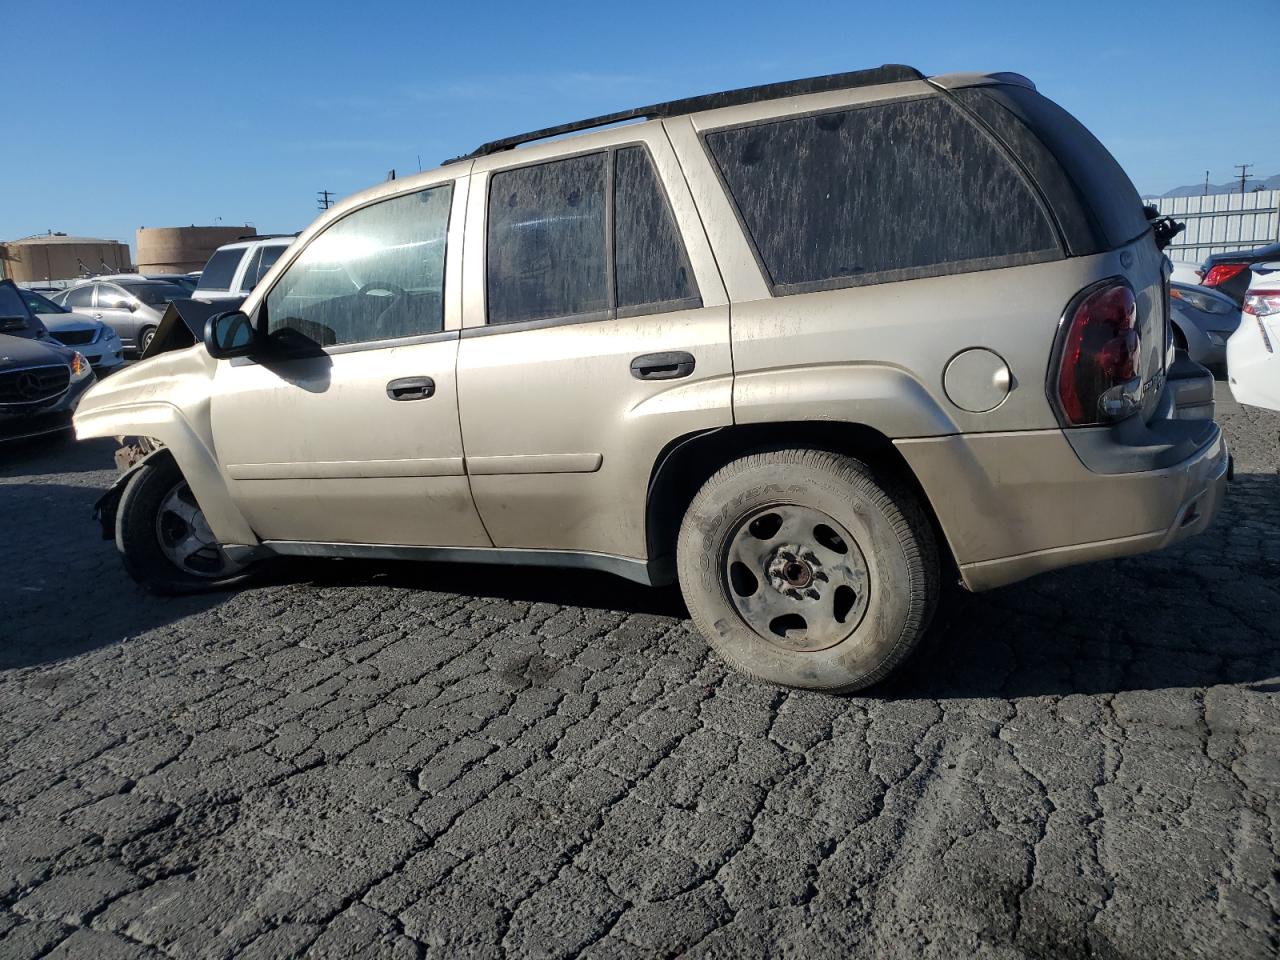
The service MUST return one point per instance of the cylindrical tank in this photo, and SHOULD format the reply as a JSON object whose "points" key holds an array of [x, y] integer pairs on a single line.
{"points": [[55, 256], [183, 249]]}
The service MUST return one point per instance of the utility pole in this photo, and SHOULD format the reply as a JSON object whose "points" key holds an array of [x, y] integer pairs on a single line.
{"points": [[1244, 174], [1206, 184], [324, 199]]}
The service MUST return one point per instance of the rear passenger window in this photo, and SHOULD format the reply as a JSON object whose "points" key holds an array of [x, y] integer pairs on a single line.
{"points": [[653, 271], [79, 296], [547, 255], [376, 274], [878, 193]]}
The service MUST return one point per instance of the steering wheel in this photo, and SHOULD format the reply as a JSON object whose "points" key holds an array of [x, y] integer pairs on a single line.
{"points": [[395, 290], [398, 296]]}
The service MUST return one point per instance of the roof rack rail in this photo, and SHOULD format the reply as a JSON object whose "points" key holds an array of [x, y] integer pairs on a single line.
{"points": [[888, 73], [262, 236]]}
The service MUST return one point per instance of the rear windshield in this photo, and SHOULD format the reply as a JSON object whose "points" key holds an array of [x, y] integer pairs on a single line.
{"points": [[1093, 197], [220, 270]]}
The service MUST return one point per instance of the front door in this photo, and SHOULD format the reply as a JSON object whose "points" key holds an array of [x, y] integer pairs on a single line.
{"points": [[345, 430], [118, 310], [596, 332]]}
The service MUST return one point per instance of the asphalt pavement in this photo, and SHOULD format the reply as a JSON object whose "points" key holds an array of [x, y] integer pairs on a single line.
{"points": [[399, 760]]}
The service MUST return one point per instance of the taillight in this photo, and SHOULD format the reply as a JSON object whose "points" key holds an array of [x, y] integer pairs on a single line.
{"points": [[1222, 272], [1098, 378], [1262, 304]]}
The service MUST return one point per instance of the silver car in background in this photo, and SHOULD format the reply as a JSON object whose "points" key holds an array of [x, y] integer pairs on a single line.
{"points": [[129, 304], [99, 344], [1203, 321]]}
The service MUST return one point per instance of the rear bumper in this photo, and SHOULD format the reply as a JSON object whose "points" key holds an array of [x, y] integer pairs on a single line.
{"points": [[1017, 504]]}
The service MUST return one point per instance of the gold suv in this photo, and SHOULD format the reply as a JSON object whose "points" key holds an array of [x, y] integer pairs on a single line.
{"points": [[808, 347]]}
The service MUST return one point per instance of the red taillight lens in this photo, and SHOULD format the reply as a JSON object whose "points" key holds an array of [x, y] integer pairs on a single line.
{"points": [[1099, 365], [1222, 272]]}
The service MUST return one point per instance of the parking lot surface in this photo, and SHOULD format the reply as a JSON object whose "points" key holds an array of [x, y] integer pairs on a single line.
{"points": [[407, 760]]}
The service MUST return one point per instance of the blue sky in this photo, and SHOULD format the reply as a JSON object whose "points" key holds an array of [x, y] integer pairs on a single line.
{"points": [[142, 114]]}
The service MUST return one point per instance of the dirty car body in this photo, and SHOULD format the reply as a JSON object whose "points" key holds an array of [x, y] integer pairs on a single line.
{"points": [[527, 356]]}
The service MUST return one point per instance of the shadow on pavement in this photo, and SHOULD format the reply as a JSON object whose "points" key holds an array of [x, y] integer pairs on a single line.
{"points": [[1204, 612], [563, 587], [57, 453], [63, 590]]}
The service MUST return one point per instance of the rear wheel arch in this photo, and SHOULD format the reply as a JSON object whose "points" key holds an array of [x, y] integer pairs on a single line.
{"points": [[687, 462]]}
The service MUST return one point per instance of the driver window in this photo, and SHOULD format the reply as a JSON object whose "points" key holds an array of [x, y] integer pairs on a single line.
{"points": [[376, 274]]}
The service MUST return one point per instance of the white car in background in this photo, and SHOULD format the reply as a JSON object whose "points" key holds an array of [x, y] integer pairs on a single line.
{"points": [[95, 341], [235, 268], [1186, 272], [1253, 352]]}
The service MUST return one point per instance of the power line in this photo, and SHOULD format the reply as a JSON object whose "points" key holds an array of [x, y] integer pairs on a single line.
{"points": [[324, 199], [1244, 173]]}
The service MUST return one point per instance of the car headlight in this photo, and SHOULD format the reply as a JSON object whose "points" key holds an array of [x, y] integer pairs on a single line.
{"points": [[80, 368], [1201, 301]]}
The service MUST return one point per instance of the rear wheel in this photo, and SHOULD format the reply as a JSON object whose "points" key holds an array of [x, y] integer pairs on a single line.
{"points": [[803, 568], [164, 538]]}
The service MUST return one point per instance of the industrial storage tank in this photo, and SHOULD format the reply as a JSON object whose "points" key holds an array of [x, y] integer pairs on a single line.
{"points": [[183, 249], [56, 256]]}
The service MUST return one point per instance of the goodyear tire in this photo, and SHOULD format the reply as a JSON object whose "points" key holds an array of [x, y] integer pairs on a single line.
{"points": [[803, 568]]}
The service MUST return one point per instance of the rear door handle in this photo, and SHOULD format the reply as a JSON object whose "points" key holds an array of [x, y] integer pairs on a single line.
{"points": [[662, 366], [411, 388]]}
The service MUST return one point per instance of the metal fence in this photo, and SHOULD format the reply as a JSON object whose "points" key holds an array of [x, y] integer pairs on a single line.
{"points": [[1222, 222]]}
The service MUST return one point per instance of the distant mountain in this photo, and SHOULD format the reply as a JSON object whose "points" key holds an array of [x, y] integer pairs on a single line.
{"points": [[1233, 186]]}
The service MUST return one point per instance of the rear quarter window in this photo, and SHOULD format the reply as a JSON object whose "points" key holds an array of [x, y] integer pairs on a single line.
{"points": [[1092, 197], [884, 192]]}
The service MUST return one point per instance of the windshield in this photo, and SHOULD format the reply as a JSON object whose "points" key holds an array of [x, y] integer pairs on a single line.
{"points": [[155, 294], [41, 304], [15, 319]]}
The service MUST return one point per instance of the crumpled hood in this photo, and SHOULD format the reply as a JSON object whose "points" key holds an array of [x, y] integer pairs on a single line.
{"points": [[22, 352]]}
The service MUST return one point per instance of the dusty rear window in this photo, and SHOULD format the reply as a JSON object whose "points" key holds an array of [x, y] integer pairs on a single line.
{"points": [[877, 193]]}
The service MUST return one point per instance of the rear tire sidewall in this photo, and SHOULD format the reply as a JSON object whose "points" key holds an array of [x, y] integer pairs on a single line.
{"points": [[896, 543], [138, 540]]}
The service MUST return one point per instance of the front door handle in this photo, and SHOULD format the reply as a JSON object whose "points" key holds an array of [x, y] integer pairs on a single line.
{"points": [[662, 366], [411, 388]]}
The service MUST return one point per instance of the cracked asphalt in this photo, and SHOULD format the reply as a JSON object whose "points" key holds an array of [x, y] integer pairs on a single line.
{"points": [[387, 760]]}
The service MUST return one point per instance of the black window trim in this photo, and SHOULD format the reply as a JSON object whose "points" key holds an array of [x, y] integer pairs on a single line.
{"points": [[594, 316], [926, 271], [260, 320]]}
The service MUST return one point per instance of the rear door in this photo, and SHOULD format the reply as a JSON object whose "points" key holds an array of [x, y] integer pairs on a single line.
{"points": [[596, 331], [346, 430]]}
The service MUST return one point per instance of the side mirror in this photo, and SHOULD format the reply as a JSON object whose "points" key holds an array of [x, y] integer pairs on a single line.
{"points": [[230, 334]]}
